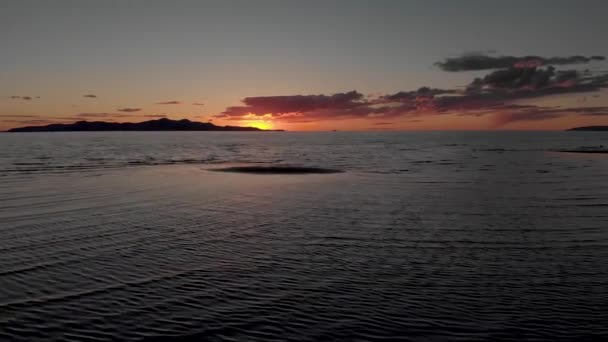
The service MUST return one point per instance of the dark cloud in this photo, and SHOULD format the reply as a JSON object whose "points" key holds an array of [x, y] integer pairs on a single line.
{"points": [[506, 86], [198, 104], [168, 103], [477, 61], [129, 110], [92, 96], [530, 79], [26, 98], [302, 107], [423, 92]]}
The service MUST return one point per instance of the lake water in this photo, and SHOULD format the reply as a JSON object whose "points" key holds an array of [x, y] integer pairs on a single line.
{"points": [[426, 236]]}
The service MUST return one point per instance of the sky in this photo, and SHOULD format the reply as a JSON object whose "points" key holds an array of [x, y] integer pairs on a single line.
{"points": [[307, 65]]}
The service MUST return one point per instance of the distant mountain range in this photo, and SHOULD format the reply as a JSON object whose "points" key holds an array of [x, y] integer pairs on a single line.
{"points": [[152, 125], [589, 128]]}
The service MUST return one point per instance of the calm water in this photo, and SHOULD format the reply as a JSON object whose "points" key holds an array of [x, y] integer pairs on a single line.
{"points": [[425, 237]]}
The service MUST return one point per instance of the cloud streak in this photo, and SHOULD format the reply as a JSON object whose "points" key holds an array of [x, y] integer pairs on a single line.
{"points": [[19, 116], [169, 103], [102, 115], [129, 110], [29, 121]]}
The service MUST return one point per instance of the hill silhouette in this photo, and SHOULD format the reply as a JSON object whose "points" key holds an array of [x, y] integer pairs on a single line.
{"points": [[152, 125], [589, 128]]}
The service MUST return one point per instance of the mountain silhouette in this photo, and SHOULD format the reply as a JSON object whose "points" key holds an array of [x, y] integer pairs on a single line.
{"points": [[152, 125]]}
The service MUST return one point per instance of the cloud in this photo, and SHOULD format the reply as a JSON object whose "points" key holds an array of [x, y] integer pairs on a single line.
{"points": [[64, 118], [198, 104], [532, 79], [168, 103], [102, 115], [593, 111], [382, 123], [129, 110], [92, 96], [509, 81], [26, 98], [496, 94], [301, 107], [29, 122], [535, 113], [423, 92], [501, 119], [19, 116], [479, 61]]}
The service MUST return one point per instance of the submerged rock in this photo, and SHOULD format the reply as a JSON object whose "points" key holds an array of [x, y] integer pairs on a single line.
{"points": [[586, 149], [277, 169]]}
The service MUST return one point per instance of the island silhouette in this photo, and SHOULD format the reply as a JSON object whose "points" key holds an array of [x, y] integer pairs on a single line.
{"points": [[151, 125], [589, 128]]}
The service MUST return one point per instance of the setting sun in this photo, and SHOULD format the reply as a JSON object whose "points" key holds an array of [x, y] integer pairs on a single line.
{"points": [[261, 124]]}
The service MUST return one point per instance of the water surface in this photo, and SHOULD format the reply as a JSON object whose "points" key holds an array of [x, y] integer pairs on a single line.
{"points": [[425, 236]]}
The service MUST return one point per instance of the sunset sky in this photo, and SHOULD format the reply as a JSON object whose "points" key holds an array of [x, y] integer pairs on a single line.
{"points": [[307, 65]]}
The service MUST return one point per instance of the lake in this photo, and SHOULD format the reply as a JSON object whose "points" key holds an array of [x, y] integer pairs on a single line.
{"points": [[425, 236]]}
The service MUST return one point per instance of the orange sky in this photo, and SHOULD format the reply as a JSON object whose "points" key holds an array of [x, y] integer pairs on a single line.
{"points": [[40, 111]]}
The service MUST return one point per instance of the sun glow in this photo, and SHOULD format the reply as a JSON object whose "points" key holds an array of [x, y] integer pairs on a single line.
{"points": [[258, 121], [261, 124]]}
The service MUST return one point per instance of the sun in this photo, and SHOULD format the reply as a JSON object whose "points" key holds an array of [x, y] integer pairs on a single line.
{"points": [[261, 124]]}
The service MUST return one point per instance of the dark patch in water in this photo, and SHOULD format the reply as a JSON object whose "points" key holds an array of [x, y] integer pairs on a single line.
{"points": [[584, 151], [286, 170], [493, 150]]}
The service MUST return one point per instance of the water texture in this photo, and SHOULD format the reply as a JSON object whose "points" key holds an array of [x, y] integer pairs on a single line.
{"points": [[425, 237]]}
